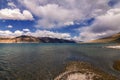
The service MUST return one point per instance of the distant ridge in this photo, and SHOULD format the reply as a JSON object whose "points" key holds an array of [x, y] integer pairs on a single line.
{"points": [[31, 39], [25, 38], [113, 38]]}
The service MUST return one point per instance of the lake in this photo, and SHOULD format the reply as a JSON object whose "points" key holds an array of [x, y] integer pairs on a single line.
{"points": [[32, 61]]}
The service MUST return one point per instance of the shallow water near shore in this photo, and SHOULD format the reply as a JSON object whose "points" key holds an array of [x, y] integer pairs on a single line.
{"points": [[46, 61]]}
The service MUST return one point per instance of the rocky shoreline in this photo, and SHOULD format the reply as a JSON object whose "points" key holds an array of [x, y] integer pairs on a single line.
{"points": [[83, 71]]}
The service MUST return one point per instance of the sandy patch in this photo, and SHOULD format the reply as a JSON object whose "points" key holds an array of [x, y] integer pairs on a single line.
{"points": [[114, 47], [79, 76]]}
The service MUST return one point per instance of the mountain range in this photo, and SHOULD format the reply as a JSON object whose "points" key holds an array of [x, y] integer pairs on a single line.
{"points": [[115, 38], [31, 39]]}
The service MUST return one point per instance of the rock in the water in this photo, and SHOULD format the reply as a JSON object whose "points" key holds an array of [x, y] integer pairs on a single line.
{"points": [[116, 65], [83, 71]]}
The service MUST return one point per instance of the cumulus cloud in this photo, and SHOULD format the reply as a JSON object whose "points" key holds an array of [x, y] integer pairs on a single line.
{"points": [[45, 33], [17, 33], [37, 33], [5, 33], [54, 15], [15, 14], [104, 25], [59, 13]]}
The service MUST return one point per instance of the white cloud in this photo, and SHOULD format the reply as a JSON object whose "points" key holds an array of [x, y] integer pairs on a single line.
{"points": [[5, 33], [59, 13], [54, 15], [9, 26], [11, 4], [104, 25], [26, 30], [15, 14], [38, 33], [45, 33], [17, 33]]}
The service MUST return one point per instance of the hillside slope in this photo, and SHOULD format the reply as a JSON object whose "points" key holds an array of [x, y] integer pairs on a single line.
{"points": [[113, 38]]}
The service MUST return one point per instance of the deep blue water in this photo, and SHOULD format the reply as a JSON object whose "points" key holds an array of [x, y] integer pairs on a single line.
{"points": [[46, 61]]}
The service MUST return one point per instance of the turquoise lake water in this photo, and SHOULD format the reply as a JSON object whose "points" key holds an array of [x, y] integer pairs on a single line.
{"points": [[46, 61]]}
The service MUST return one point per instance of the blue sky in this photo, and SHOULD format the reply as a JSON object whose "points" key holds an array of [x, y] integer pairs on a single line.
{"points": [[81, 20]]}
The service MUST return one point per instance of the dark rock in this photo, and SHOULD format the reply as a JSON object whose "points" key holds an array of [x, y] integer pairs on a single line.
{"points": [[116, 65]]}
